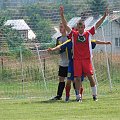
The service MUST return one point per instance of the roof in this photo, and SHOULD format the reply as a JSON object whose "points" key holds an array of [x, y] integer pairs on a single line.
{"points": [[89, 22], [31, 34], [72, 23], [114, 17], [18, 24]]}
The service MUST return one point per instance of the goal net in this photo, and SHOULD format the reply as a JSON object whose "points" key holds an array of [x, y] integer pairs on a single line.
{"points": [[29, 27]]}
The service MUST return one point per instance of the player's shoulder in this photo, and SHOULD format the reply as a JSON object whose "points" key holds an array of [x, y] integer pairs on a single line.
{"points": [[58, 40], [74, 30], [59, 37], [91, 28], [93, 40]]}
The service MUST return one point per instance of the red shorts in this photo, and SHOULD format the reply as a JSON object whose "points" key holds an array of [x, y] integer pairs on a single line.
{"points": [[83, 67]]}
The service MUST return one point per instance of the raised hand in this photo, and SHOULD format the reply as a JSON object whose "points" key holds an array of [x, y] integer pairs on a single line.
{"points": [[63, 20], [106, 12], [61, 10], [102, 19]]}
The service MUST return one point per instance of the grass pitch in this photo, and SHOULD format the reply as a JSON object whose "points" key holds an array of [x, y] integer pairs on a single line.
{"points": [[106, 108]]}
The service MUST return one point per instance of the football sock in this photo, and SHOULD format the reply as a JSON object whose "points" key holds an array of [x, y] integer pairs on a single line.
{"points": [[67, 88], [94, 90], [74, 85], [77, 92], [61, 86]]}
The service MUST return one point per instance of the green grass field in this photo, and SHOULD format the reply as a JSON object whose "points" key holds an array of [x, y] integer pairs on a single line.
{"points": [[106, 108], [16, 101]]}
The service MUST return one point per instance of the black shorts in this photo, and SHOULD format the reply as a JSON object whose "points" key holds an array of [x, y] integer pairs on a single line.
{"points": [[63, 71]]}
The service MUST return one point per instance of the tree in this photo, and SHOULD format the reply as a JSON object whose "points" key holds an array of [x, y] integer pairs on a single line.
{"points": [[12, 37], [98, 7], [5, 3], [40, 25], [116, 5]]}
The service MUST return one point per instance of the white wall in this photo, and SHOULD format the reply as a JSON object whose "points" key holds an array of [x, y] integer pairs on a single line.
{"points": [[109, 33]]}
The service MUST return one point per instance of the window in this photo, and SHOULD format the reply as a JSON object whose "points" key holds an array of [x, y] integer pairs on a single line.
{"points": [[117, 42]]}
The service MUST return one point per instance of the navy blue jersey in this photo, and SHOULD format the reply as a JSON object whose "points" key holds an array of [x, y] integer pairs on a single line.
{"points": [[68, 48]]}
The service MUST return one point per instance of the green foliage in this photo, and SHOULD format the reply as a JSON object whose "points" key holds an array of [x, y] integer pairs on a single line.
{"points": [[36, 18], [44, 31], [2, 20], [6, 74], [26, 53], [98, 7], [47, 45], [13, 39], [116, 5], [12, 36], [69, 9], [33, 74], [41, 26]]}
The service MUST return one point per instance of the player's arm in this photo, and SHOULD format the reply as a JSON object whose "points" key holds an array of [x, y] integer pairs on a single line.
{"points": [[54, 49], [95, 42], [97, 25], [68, 29], [59, 47], [103, 42]]}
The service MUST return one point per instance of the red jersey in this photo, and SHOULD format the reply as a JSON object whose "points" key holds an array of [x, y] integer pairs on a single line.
{"points": [[82, 44]]}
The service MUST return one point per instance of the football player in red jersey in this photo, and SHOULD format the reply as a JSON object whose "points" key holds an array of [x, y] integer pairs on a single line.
{"points": [[82, 52]]}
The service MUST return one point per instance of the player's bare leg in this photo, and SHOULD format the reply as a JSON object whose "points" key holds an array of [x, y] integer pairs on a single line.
{"points": [[78, 84], [81, 91], [93, 87]]}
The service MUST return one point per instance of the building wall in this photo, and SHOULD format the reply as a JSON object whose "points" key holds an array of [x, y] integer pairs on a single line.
{"points": [[24, 34], [116, 34], [110, 32]]}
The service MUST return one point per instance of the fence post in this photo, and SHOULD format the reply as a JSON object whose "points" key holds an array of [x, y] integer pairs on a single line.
{"points": [[22, 74], [2, 64], [44, 65]]}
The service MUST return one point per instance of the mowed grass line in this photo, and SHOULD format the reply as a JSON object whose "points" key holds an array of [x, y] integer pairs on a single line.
{"points": [[107, 108]]}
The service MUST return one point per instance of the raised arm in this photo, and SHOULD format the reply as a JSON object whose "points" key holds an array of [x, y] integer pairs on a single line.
{"points": [[68, 29], [102, 19]]}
